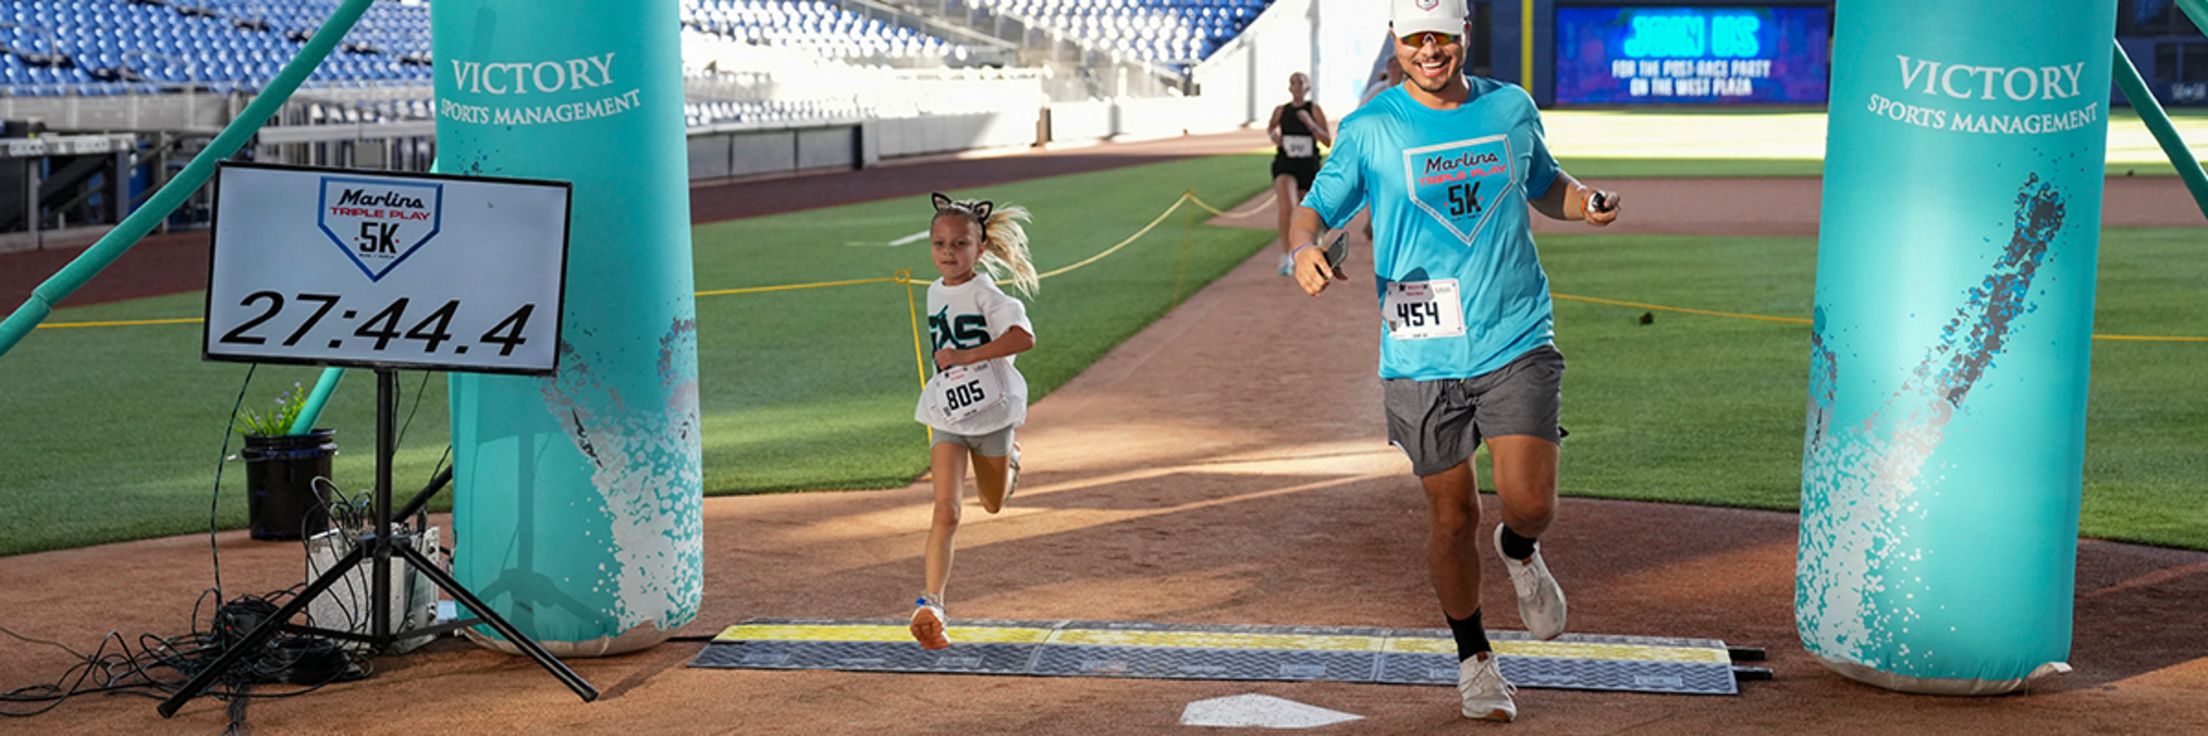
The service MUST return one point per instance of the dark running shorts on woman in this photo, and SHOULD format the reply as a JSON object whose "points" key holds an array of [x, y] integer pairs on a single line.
{"points": [[1305, 170]]}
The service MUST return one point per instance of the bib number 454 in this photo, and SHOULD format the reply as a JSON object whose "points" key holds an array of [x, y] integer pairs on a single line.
{"points": [[1422, 310], [1417, 314]]}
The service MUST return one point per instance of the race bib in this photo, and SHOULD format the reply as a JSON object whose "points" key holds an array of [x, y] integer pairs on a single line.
{"points": [[966, 390], [1299, 146], [1423, 310]]}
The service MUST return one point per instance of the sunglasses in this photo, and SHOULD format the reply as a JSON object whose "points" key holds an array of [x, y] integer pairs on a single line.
{"points": [[1421, 38]]}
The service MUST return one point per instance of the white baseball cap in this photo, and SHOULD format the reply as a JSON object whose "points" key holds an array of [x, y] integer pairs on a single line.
{"points": [[1420, 16]]}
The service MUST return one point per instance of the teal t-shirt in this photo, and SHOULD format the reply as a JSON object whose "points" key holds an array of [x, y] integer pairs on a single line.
{"points": [[1448, 191]]}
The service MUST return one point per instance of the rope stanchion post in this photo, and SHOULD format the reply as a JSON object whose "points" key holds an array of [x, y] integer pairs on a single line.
{"points": [[919, 359], [1180, 272]]}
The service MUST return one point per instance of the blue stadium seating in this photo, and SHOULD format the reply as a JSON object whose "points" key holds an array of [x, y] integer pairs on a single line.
{"points": [[107, 47], [102, 47], [825, 28], [701, 114], [1172, 32]]}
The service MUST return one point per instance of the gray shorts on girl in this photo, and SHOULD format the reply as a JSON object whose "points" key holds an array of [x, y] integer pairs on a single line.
{"points": [[993, 444]]}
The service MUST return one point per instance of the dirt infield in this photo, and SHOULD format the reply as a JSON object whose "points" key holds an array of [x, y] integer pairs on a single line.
{"points": [[1226, 465]]}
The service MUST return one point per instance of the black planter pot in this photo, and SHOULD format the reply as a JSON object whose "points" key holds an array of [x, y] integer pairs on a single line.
{"points": [[279, 483]]}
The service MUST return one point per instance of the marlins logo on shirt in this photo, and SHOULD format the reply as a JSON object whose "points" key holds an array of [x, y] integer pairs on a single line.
{"points": [[1447, 181]]}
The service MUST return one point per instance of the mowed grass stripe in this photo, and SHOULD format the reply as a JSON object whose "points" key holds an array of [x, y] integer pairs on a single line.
{"points": [[115, 434]]}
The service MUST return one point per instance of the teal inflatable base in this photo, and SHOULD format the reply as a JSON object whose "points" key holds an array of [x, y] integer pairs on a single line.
{"points": [[1869, 675]]}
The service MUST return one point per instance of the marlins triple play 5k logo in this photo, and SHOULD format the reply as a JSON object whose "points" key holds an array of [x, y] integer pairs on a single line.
{"points": [[1460, 184], [380, 223]]}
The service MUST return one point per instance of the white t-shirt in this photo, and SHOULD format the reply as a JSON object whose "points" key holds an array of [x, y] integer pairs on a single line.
{"points": [[968, 316]]}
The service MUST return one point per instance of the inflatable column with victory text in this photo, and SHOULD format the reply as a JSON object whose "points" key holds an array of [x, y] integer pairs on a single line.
{"points": [[578, 507], [1944, 453]]}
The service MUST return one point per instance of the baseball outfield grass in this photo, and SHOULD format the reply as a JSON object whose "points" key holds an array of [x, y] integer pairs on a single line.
{"points": [[1711, 143], [114, 434]]}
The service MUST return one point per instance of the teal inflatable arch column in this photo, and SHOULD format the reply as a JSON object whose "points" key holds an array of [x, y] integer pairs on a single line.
{"points": [[578, 507], [1944, 452]]}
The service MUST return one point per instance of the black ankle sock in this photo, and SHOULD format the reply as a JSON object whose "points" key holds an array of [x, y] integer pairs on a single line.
{"points": [[1470, 635], [1516, 547]]}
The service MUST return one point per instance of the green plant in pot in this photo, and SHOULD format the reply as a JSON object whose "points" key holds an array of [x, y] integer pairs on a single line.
{"points": [[281, 468]]}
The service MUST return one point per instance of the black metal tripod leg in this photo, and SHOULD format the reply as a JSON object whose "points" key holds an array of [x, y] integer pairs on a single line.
{"points": [[253, 640], [528, 646], [421, 500]]}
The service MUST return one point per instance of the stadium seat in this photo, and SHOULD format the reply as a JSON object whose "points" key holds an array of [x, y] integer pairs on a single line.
{"points": [[1176, 33], [104, 47]]}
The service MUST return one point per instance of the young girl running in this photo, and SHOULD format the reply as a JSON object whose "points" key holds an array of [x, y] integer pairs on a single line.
{"points": [[976, 398]]}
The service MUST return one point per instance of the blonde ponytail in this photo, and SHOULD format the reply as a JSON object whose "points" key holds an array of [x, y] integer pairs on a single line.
{"points": [[1005, 242]]}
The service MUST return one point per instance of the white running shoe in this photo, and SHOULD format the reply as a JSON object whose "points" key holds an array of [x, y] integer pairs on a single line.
{"points": [[1484, 692], [929, 627], [1287, 264], [1540, 599]]}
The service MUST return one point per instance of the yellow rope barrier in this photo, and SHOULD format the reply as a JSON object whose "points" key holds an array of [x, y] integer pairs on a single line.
{"points": [[902, 277], [2149, 338], [1680, 310], [1084, 263], [1188, 198], [1201, 204], [119, 323]]}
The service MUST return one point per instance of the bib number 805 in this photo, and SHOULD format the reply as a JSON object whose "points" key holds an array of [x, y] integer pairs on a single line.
{"points": [[964, 395]]}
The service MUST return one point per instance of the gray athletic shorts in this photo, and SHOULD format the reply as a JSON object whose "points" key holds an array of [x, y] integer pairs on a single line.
{"points": [[1440, 423], [993, 444]]}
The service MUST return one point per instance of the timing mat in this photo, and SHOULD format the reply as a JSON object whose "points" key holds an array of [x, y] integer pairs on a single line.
{"points": [[1231, 652]]}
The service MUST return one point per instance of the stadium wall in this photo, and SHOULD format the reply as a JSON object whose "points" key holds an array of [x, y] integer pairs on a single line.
{"points": [[1333, 41]]}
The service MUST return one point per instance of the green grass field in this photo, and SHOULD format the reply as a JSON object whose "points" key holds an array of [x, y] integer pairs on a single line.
{"points": [[1702, 143], [112, 433], [1710, 410], [773, 398]]}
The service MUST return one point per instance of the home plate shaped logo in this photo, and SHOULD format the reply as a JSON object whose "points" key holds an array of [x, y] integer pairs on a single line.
{"points": [[1461, 184], [380, 223]]}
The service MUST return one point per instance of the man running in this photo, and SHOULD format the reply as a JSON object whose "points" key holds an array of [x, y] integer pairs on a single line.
{"points": [[1449, 166]]}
